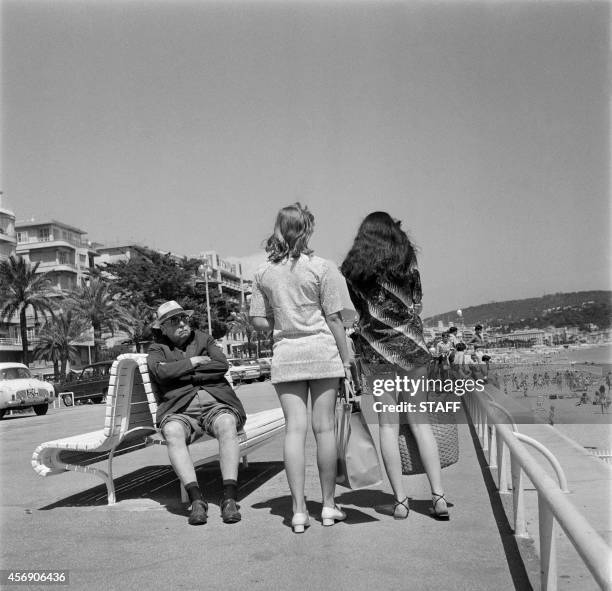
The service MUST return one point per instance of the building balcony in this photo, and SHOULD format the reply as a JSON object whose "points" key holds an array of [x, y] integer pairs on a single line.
{"points": [[9, 238], [231, 285], [46, 266], [9, 344], [31, 243]]}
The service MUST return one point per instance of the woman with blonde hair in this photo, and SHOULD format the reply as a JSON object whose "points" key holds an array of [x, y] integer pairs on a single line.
{"points": [[385, 286], [299, 296]]}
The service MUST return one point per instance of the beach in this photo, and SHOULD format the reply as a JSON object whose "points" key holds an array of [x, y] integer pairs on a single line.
{"points": [[584, 423]]}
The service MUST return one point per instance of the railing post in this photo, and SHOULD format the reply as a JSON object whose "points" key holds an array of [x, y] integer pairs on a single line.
{"points": [[548, 550], [493, 448], [518, 497], [485, 432], [502, 467]]}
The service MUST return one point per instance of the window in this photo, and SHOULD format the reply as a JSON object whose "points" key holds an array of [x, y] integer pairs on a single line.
{"points": [[20, 237], [43, 234], [15, 373]]}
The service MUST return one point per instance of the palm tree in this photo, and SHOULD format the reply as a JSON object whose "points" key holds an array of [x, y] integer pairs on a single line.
{"points": [[137, 323], [95, 303], [241, 323], [56, 339], [21, 287]]}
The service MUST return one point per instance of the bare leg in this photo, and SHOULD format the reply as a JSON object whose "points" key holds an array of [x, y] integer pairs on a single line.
{"points": [[324, 394], [428, 448], [293, 398], [174, 434], [426, 442], [389, 431], [423, 435], [229, 451]]}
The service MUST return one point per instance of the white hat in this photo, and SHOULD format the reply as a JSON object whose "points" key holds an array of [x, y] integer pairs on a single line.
{"points": [[167, 310]]}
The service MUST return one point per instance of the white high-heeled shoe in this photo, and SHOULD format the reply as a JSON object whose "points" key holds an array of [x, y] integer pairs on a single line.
{"points": [[329, 515], [299, 522]]}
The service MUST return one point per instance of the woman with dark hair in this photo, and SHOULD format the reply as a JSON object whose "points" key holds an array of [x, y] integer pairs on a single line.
{"points": [[298, 296], [385, 286]]}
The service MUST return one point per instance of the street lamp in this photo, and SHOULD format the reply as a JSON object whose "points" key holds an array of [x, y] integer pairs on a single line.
{"points": [[204, 270]]}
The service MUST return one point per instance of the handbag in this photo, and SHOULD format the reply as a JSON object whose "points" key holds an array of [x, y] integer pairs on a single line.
{"points": [[358, 465], [446, 435]]}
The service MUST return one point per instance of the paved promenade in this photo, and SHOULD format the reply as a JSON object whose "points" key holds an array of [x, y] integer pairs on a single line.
{"points": [[144, 541]]}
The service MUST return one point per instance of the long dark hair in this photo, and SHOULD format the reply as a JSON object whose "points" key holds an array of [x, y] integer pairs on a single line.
{"points": [[381, 251], [292, 231]]}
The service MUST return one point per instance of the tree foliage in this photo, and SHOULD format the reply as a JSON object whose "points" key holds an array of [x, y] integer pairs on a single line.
{"points": [[95, 303], [149, 278], [21, 287], [560, 309], [56, 340]]}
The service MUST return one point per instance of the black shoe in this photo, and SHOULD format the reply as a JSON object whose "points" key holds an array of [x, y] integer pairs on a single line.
{"points": [[229, 511], [199, 513]]}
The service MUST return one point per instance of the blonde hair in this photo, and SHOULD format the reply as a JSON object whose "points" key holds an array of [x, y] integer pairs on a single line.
{"points": [[292, 231]]}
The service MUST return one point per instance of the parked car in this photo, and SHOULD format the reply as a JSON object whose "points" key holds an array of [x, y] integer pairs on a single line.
{"points": [[244, 370], [20, 389], [91, 384], [265, 365]]}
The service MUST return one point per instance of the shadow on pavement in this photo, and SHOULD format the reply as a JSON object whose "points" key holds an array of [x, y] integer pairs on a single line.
{"points": [[383, 502], [160, 484], [282, 507], [516, 566]]}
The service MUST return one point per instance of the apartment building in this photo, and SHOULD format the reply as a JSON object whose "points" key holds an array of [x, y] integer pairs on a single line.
{"points": [[225, 275], [60, 249], [8, 238]]}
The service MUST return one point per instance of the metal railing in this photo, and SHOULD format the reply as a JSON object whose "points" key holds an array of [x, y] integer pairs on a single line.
{"points": [[504, 449]]}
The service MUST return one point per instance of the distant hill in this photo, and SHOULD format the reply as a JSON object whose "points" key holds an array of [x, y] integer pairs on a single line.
{"points": [[560, 309]]}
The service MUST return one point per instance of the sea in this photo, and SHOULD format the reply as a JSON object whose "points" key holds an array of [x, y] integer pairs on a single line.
{"points": [[591, 354]]}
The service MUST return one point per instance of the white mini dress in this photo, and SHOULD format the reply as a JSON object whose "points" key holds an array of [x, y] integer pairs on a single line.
{"points": [[298, 294]]}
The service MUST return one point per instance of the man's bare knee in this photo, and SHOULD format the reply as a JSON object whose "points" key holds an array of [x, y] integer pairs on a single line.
{"points": [[225, 427], [173, 432]]}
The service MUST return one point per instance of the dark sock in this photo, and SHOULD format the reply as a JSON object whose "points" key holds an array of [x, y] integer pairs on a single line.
{"points": [[230, 489], [194, 492]]}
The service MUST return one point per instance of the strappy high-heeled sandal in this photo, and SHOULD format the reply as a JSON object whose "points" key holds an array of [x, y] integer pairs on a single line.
{"points": [[441, 514], [397, 504]]}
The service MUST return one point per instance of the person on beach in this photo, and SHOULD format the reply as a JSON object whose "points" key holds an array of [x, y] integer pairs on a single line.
{"points": [[194, 398], [298, 296], [444, 350], [477, 341], [452, 336], [385, 287]]}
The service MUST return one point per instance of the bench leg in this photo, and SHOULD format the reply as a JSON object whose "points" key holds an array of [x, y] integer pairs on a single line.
{"points": [[110, 486], [108, 478], [245, 461]]}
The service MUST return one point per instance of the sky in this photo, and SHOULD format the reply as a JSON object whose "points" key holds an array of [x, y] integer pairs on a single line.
{"points": [[185, 126]]}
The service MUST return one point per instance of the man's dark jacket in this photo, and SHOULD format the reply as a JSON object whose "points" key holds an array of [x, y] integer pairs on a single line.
{"points": [[178, 381]]}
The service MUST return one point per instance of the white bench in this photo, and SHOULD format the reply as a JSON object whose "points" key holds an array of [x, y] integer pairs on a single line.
{"points": [[130, 425]]}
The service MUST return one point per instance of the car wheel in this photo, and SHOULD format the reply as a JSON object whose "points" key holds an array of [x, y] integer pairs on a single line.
{"points": [[261, 379], [2, 413], [67, 400], [41, 409]]}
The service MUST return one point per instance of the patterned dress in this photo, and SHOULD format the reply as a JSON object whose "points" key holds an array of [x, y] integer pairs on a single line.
{"points": [[298, 294], [389, 330]]}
